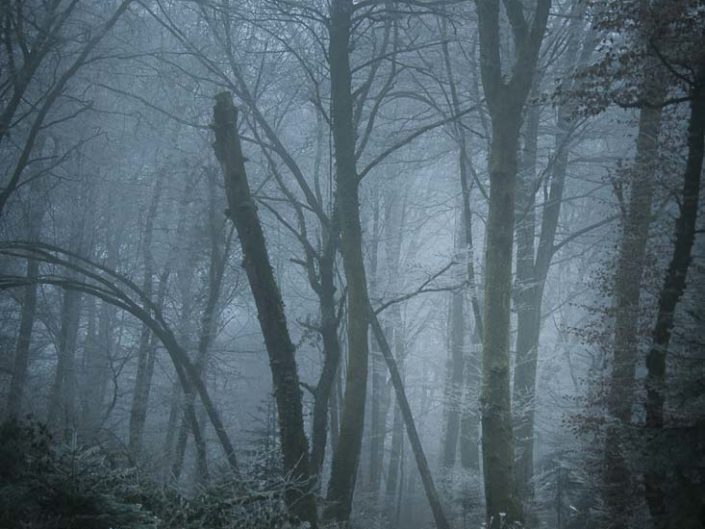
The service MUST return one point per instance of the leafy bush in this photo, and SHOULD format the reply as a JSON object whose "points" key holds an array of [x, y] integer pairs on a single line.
{"points": [[44, 485]]}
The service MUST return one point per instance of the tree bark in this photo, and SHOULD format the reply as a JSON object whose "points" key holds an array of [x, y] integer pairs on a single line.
{"points": [[347, 453], [377, 427], [270, 310], [331, 362], [506, 101], [618, 484], [671, 292], [528, 317]]}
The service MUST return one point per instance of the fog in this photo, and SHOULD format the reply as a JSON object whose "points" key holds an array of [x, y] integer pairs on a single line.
{"points": [[352, 263]]}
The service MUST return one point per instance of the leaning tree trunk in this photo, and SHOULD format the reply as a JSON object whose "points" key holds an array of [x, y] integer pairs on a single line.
{"points": [[413, 435], [671, 292], [347, 453], [270, 310]]}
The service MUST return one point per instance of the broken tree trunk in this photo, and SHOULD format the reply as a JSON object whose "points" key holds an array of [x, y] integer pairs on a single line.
{"points": [[270, 309]]}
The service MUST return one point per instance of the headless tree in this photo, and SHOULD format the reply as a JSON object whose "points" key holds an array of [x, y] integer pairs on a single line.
{"points": [[270, 310]]}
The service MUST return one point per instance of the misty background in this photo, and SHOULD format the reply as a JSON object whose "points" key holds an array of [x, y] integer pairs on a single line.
{"points": [[477, 301]]}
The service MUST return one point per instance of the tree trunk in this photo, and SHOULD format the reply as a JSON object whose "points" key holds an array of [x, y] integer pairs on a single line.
{"points": [[97, 355], [347, 453], [146, 352], [209, 318], [497, 435], [61, 399], [28, 310], [394, 489], [506, 100], [270, 310], [24, 340], [618, 485], [671, 292], [377, 427], [533, 271], [95, 367], [414, 440], [528, 317], [456, 367], [331, 362]]}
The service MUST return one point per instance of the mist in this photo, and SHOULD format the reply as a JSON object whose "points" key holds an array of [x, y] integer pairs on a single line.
{"points": [[392, 264]]}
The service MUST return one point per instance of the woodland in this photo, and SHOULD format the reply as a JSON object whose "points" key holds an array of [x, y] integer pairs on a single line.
{"points": [[386, 264]]}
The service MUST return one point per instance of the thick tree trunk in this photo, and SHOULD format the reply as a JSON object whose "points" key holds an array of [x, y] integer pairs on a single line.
{"points": [[497, 434], [270, 309], [671, 292], [347, 453], [618, 485], [506, 100]]}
